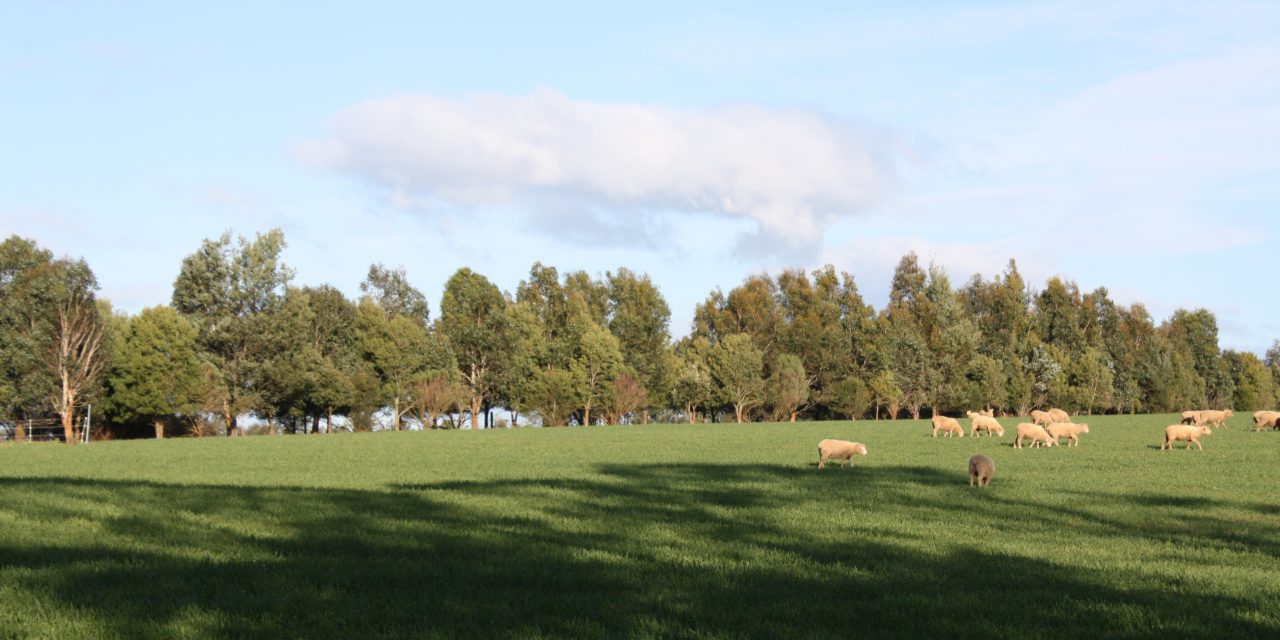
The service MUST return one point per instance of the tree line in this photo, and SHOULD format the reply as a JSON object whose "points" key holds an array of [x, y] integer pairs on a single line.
{"points": [[238, 339]]}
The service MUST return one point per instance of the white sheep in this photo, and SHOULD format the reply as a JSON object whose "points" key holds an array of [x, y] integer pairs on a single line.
{"points": [[984, 422], [1059, 415], [946, 425], [1214, 418], [1176, 432], [1041, 418], [1035, 433], [981, 469], [839, 450], [1264, 419], [1069, 431]]}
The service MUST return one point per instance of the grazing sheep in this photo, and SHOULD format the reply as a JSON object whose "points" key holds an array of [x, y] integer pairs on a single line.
{"points": [[1059, 415], [1264, 419], [1190, 417], [1214, 418], [839, 450], [1069, 431], [984, 422], [946, 425], [1041, 418], [1035, 433], [981, 468], [1176, 432]]}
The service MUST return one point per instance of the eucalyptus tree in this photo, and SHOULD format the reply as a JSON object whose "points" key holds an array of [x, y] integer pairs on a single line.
{"points": [[693, 386], [390, 288], [474, 318], [788, 385], [737, 366], [226, 289], [640, 318]]}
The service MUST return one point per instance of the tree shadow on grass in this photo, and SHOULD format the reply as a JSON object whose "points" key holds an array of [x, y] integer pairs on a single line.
{"points": [[631, 551]]}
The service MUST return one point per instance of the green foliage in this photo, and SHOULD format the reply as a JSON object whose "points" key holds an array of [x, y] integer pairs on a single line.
{"points": [[738, 369], [156, 373], [788, 386], [226, 290], [474, 318], [390, 288]]}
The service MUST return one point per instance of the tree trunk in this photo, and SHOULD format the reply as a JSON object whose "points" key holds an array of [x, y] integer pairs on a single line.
{"points": [[793, 416], [586, 415], [271, 425], [737, 412], [69, 426], [692, 413], [396, 420], [159, 429], [229, 417], [328, 420], [315, 424], [20, 431], [475, 413]]}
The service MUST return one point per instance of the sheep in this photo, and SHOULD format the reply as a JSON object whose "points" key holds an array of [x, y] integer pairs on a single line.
{"points": [[1264, 419], [1035, 433], [1059, 415], [947, 425], [1214, 418], [1176, 432], [1190, 417], [983, 422], [1041, 418], [990, 413], [839, 450], [1069, 431], [981, 469]]}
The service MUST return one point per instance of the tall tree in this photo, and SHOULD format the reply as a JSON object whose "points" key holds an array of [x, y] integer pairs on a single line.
{"points": [[738, 368], [598, 363], [403, 353], [77, 358], [225, 289], [640, 318], [28, 295], [390, 288], [474, 318], [788, 385], [693, 386], [156, 374]]}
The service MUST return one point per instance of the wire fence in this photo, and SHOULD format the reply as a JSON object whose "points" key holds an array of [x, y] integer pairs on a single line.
{"points": [[42, 429]]}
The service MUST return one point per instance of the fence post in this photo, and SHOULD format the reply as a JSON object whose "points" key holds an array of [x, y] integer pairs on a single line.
{"points": [[30, 436], [88, 424]]}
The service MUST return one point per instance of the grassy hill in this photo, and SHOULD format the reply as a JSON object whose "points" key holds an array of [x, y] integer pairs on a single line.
{"points": [[657, 531]]}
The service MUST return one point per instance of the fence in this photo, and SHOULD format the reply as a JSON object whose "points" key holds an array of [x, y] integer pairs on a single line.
{"points": [[43, 429]]}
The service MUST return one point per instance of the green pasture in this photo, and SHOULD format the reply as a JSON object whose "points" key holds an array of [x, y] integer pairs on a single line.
{"points": [[707, 531]]}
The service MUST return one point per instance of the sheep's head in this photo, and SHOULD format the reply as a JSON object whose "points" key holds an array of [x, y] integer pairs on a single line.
{"points": [[1084, 428], [1228, 413], [998, 430], [970, 414], [1206, 430], [860, 449]]}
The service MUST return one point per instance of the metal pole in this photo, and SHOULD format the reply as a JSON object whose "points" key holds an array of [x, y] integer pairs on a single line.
{"points": [[30, 437], [88, 424]]}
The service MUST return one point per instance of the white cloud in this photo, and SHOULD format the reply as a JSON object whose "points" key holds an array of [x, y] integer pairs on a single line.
{"points": [[792, 172]]}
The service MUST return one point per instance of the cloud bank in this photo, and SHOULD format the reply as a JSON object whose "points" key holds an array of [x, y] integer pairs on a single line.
{"points": [[792, 172]]}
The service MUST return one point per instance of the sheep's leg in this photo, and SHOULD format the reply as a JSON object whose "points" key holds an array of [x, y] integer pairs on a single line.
{"points": [[1198, 445]]}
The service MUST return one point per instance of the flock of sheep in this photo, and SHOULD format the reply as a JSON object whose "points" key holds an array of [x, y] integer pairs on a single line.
{"points": [[1046, 429]]}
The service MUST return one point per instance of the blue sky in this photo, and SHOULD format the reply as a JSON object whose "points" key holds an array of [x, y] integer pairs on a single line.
{"points": [[1132, 145]]}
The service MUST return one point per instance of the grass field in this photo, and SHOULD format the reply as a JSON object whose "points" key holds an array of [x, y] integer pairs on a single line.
{"points": [[662, 531]]}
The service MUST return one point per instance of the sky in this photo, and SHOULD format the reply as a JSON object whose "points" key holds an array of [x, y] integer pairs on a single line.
{"points": [[1131, 145]]}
